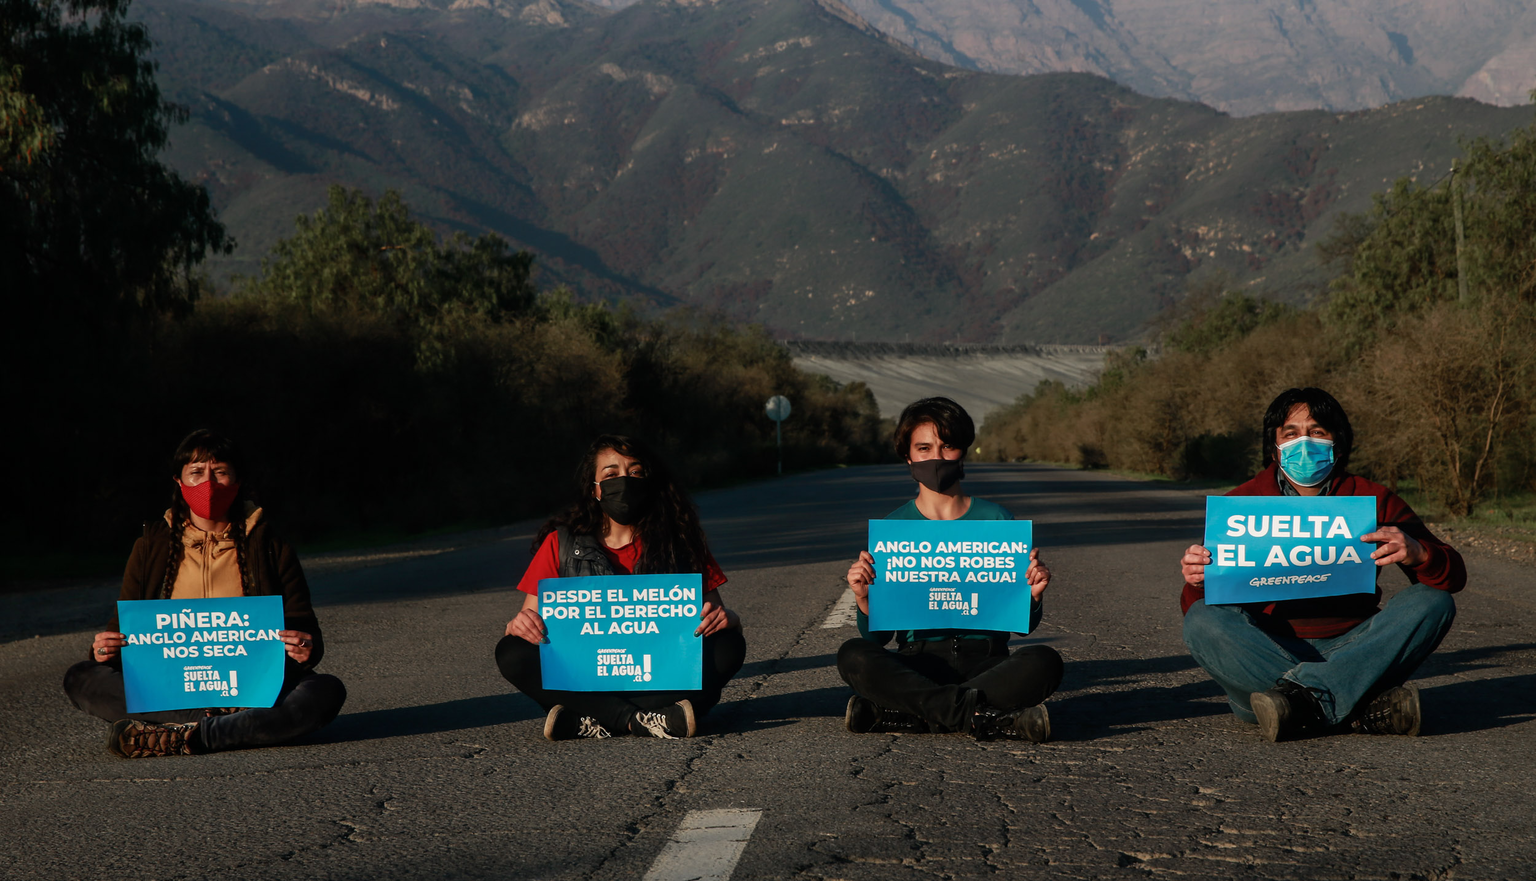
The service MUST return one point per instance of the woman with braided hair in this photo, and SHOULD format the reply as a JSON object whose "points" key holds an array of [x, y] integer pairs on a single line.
{"points": [[214, 541]]}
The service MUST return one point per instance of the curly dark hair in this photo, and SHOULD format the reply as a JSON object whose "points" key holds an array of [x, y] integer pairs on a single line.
{"points": [[671, 536], [1325, 409], [205, 445]]}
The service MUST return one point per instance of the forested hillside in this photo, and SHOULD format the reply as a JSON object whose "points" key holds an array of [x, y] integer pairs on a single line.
{"points": [[778, 160]]}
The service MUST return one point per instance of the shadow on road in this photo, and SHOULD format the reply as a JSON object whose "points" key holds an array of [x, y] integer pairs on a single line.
{"points": [[779, 710], [1479, 704], [471, 712], [785, 665]]}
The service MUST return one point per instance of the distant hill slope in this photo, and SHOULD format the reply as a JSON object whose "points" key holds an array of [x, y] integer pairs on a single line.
{"points": [[780, 160], [1240, 56], [980, 378]]}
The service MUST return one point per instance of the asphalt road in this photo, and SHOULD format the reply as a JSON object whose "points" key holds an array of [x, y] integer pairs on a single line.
{"points": [[436, 770]]}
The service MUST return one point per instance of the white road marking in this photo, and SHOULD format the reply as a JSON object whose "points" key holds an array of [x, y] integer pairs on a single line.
{"points": [[705, 846], [844, 613]]}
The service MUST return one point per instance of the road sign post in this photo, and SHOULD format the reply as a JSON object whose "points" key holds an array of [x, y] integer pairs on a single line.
{"points": [[778, 410]]}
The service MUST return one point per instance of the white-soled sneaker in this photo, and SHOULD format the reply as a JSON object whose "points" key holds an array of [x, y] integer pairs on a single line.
{"points": [[562, 724], [668, 723]]}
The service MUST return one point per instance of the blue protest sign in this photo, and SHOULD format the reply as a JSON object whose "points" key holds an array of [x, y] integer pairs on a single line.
{"points": [[1270, 548], [622, 633], [191, 654], [950, 575]]}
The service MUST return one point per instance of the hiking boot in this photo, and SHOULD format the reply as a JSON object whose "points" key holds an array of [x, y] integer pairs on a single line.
{"points": [[864, 716], [1030, 723], [668, 723], [562, 724], [132, 739], [1287, 711], [1394, 711]]}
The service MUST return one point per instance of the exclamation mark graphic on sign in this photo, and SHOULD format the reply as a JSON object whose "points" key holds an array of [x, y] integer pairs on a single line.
{"points": [[234, 682], [975, 601], [647, 662]]}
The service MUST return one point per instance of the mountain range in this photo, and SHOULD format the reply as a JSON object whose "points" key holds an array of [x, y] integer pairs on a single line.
{"points": [[782, 161], [1240, 56]]}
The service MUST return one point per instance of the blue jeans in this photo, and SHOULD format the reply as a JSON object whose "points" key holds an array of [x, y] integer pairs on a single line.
{"points": [[1379, 653]]}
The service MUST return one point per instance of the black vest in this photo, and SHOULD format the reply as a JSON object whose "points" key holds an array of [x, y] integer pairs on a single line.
{"points": [[581, 555]]}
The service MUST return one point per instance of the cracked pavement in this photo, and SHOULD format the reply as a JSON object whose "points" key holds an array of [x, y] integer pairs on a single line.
{"points": [[437, 770]]}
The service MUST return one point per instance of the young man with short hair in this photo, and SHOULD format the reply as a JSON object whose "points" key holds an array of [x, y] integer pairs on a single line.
{"points": [[945, 680]]}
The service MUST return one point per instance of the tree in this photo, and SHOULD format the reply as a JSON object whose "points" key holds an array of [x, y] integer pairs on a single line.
{"points": [[93, 228], [1400, 257], [358, 254]]}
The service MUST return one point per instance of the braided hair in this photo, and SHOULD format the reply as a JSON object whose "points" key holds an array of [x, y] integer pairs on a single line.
{"points": [[204, 445], [671, 536]]}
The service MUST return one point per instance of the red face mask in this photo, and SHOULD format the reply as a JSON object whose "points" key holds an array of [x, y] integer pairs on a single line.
{"points": [[210, 499]]}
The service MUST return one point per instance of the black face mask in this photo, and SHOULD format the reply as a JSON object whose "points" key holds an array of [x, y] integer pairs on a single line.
{"points": [[625, 499], [938, 474]]}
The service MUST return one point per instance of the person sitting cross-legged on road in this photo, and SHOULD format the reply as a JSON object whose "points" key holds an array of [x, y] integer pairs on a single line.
{"points": [[945, 680], [213, 542], [1312, 666], [629, 517]]}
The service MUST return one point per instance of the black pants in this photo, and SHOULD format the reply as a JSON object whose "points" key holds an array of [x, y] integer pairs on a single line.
{"points": [[934, 680], [724, 653], [307, 703]]}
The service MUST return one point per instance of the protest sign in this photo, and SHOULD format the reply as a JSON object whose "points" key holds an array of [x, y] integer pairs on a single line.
{"points": [[192, 654], [1269, 548], [950, 575], [622, 633]]}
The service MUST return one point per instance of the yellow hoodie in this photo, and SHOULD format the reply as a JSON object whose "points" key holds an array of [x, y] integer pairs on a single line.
{"points": [[209, 564]]}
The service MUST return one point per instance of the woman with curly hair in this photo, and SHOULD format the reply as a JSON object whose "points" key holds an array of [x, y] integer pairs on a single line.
{"points": [[629, 517], [214, 541]]}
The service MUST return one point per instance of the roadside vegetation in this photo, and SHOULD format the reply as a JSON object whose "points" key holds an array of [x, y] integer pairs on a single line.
{"points": [[1435, 364], [385, 380]]}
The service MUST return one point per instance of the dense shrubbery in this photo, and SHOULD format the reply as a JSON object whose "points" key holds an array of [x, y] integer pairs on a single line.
{"points": [[1442, 390], [356, 434], [396, 383]]}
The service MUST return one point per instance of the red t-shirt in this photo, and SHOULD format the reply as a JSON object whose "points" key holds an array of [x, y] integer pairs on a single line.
{"points": [[546, 564]]}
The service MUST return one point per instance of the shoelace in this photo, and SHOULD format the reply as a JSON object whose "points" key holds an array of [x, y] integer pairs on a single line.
{"points": [[590, 728], [656, 723]]}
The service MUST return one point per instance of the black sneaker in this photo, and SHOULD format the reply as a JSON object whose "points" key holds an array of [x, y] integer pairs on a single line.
{"points": [[1287, 711], [864, 716], [668, 723], [562, 724], [1394, 711], [132, 739]]}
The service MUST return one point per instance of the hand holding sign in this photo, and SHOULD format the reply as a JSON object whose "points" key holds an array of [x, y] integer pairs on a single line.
{"points": [[1195, 559], [1037, 575], [107, 645], [527, 624], [1396, 547], [299, 644]]}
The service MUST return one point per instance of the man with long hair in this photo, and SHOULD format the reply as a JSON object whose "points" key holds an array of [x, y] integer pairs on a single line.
{"points": [[1311, 666]]}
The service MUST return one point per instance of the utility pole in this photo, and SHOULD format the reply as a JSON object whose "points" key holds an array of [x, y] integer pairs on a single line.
{"points": [[1461, 239]]}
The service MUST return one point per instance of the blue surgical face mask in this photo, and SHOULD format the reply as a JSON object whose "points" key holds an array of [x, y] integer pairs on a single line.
{"points": [[1307, 461]]}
